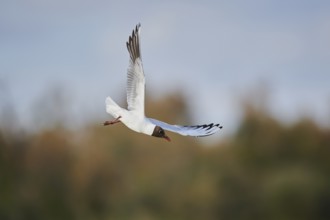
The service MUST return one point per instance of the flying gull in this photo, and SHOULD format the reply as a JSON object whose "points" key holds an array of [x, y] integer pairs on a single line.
{"points": [[133, 117]]}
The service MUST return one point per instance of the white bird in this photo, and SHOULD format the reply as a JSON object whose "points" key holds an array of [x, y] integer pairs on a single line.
{"points": [[133, 117]]}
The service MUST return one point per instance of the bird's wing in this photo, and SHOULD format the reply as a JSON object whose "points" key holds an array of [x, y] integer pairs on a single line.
{"points": [[135, 75], [196, 131]]}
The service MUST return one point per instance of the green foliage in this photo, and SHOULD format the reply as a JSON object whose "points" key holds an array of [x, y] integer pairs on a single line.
{"points": [[264, 171]]}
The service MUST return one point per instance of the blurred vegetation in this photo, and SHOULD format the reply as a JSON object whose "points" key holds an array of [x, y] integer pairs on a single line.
{"points": [[265, 170]]}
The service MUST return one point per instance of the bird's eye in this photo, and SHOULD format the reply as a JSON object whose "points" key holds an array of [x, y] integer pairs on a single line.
{"points": [[161, 132]]}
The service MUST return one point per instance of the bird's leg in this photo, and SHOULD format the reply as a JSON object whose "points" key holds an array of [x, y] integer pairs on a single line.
{"points": [[112, 122]]}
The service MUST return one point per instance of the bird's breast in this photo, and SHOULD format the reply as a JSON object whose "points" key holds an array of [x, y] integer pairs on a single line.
{"points": [[138, 123]]}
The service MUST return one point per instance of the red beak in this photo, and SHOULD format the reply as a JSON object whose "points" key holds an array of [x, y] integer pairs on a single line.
{"points": [[167, 138]]}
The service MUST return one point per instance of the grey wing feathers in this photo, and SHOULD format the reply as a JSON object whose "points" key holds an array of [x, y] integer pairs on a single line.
{"points": [[135, 75], [133, 44], [196, 130], [203, 130]]}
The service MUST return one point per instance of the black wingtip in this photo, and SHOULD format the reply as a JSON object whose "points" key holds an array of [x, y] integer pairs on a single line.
{"points": [[133, 43], [218, 125], [137, 27], [136, 30]]}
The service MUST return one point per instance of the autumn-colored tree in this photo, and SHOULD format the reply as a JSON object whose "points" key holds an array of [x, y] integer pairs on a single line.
{"points": [[265, 170]]}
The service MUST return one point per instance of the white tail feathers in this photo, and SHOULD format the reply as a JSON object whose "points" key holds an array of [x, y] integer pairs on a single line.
{"points": [[112, 107], [109, 101]]}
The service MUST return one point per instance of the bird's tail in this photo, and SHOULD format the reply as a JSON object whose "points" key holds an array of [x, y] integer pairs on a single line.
{"points": [[112, 107]]}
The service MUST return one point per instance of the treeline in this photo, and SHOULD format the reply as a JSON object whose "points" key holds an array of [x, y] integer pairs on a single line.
{"points": [[265, 170]]}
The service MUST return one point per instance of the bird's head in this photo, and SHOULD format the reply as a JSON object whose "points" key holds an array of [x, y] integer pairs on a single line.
{"points": [[159, 132]]}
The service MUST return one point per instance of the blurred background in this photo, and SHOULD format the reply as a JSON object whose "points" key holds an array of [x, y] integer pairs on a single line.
{"points": [[260, 68]]}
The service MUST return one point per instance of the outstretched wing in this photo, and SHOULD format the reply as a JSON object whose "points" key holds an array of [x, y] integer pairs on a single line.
{"points": [[196, 131], [135, 75]]}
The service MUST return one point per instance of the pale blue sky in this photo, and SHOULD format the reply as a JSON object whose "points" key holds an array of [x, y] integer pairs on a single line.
{"points": [[214, 51]]}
